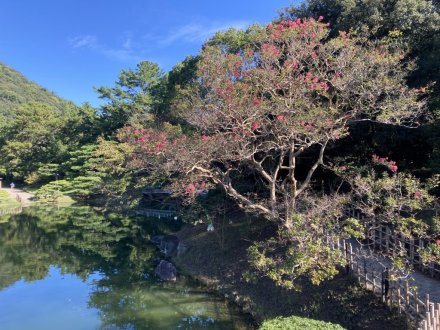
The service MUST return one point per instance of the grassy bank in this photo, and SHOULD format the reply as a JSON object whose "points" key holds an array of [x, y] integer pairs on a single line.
{"points": [[218, 259], [6, 201]]}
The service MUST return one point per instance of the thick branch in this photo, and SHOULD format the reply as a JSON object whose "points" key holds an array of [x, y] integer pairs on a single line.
{"points": [[312, 170]]}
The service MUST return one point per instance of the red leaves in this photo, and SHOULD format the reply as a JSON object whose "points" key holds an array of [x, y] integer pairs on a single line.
{"points": [[281, 118], [392, 166], [190, 188], [321, 86], [256, 102], [255, 126], [291, 63], [270, 50]]}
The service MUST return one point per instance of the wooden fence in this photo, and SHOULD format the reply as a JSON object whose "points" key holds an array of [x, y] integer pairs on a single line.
{"points": [[155, 213], [15, 210], [395, 293], [382, 238]]}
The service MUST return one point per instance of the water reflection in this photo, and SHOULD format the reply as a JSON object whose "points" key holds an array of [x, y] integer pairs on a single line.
{"points": [[103, 264]]}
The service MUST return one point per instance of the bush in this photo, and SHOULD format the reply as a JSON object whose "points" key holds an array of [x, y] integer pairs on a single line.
{"points": [[298, 323]]}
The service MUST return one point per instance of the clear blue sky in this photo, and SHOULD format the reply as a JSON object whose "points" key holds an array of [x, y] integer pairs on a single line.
{"points": [[71, 46]]}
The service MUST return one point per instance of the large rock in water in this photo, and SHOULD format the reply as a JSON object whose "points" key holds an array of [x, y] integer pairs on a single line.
{"points": [[166, 271], [168, 244]]}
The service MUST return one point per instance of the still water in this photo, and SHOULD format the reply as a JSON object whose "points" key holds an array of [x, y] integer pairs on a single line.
{"points": [[74, 268]]}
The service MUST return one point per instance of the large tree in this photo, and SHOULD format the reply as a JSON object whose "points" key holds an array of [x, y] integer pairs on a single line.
{"points": [[269, 112]]}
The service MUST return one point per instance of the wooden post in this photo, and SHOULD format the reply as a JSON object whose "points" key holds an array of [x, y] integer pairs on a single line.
{"points": [[374, 284], [351, 257], [416, 306], [406, 296], [437, 315], [358, 272], [398, 300], [427, 303], [436, 321]]}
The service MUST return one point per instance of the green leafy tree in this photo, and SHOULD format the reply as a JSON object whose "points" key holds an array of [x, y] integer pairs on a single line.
{"points": [[32, 139], [131, 100]]}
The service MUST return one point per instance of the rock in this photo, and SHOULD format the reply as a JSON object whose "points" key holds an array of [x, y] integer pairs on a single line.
{"points": [[168, 244], [166, 271]]}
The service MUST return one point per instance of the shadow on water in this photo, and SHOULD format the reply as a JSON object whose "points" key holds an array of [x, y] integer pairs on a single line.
{"points": [[109, 259]]}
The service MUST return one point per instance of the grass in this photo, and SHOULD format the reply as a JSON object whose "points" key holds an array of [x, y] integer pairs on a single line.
{"points": [[6, 201]]}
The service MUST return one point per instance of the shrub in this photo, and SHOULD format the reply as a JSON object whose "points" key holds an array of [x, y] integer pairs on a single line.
{"points": [[298, 323]]}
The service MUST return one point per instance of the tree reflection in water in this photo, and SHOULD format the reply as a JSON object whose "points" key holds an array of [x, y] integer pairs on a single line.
{"points": [[80, 241]]}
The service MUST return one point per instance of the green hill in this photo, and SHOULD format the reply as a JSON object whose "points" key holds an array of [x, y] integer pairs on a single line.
{"points": [[16, 90]]}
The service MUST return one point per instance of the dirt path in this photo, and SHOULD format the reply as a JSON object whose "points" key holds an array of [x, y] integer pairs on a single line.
{"points": [[23, 196]]}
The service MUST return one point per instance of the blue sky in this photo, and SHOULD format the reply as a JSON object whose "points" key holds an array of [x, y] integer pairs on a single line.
{"points": [[71, 46]]}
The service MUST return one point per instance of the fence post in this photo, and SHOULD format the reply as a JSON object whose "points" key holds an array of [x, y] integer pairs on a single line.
{"points": [[398, 300], [406, 296], [417, 306], [435, 319], [427, 303], [437, 315], [351, 256]]}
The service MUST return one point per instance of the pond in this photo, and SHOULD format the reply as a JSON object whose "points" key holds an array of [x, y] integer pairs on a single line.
{"points": [[74, 268]]}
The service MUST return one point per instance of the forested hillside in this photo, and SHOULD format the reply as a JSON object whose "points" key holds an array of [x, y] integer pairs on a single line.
{"points": [[37, 128], [16, 90]]}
